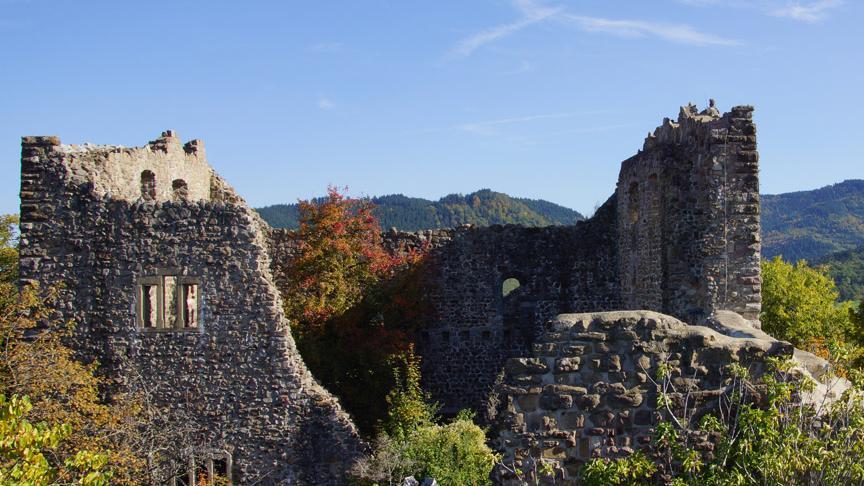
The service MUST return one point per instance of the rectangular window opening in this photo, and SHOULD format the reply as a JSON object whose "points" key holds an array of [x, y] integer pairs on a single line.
{"points": [[168, 302], [189, 305]]}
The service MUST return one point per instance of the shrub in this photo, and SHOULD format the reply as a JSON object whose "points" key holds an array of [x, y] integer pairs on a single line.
{"points": [[455, 453], [761, 432], [799, 303]]}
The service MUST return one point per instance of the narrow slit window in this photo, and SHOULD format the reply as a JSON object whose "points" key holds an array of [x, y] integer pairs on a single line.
{"points": [[189, 305], [149, 306]]}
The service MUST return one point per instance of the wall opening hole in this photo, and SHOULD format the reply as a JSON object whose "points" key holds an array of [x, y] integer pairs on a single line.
{"points": [[180, 190], [149, 305], [148, 185], [509, 286]]}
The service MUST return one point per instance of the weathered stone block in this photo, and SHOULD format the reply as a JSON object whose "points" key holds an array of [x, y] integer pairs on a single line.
{"points": [[517, 366]]}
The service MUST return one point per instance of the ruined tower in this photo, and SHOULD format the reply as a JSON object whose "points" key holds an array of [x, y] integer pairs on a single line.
{"points": [[166, 272]]}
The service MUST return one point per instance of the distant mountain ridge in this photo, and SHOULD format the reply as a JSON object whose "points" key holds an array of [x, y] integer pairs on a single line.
{"points": [[811, 224], [482, 208], [797, 225]]}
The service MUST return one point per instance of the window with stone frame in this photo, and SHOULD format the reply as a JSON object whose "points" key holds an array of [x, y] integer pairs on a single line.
{"points": [[166, 302], [211, 467]]}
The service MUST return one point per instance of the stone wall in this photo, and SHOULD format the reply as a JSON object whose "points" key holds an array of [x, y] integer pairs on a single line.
{"points": [[237, 372], [475, 326], [679, 236], [585, 390], [688, 218]]}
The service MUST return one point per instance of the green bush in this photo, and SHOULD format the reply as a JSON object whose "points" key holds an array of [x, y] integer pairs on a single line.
{"points": [[453, 454], [763, 433], [799, 303]]}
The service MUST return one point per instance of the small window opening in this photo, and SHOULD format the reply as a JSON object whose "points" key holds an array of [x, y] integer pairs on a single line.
{"points": [[180, 190], [214, 469], [149, 305], [189, 305], [168, 302], [148, 186], [509, 286]]}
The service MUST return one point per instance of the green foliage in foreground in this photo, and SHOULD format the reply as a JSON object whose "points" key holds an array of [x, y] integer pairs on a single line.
{"points": [[767, 437], [8, 249], [412, 444], [23, 447]]}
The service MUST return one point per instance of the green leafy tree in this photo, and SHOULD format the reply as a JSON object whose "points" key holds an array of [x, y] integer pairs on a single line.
{"points": [[408, 406], [799, 303], [61, 391], [454, 453], [24, 446], [8, 248]]}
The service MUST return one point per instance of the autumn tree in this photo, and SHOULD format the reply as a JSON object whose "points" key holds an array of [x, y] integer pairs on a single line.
{"points": [[352, 303], [339, 255]]}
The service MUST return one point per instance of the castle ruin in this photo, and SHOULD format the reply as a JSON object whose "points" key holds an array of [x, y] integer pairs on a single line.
{"points": [[172, 279]]}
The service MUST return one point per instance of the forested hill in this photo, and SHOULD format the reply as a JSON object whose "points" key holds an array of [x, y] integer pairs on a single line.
{"points": [[482, 208], [812, 224], [847, 268]]}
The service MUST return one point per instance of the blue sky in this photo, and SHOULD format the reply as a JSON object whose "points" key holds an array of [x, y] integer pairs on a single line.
{"points": [[539, 99]]}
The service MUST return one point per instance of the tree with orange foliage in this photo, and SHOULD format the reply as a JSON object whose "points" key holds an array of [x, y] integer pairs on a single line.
{"points": [[352, 303], [340, 255]]}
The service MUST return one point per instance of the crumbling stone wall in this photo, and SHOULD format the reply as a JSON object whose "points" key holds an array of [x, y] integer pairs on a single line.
{"points": [[89, 224], [680, 235], [586, 388], [688, 218]]}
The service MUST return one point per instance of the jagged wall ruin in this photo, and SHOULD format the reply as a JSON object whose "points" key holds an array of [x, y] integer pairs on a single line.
{"points": [[680, 235], [100, 221]]}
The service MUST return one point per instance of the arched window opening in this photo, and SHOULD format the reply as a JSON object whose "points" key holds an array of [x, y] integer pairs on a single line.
{"points": [[181, 190], [509, 286], [148, 186], [633, 202]]}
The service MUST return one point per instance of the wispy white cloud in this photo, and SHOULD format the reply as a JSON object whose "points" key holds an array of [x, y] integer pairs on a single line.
{"points": [[807, 12], [680, 33], [533, 12], [488, 127], [802, 10], [325, 103]]}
